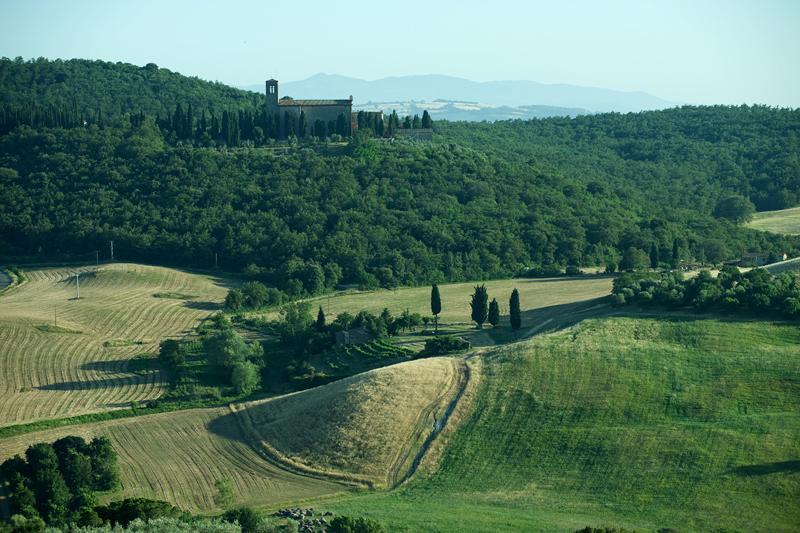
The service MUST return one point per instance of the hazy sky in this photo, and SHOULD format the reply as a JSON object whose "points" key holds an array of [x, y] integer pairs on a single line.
{"points": [[695, 51]]}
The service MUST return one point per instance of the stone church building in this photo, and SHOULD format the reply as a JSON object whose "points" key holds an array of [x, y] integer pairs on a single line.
{"points": [[322, 117]]}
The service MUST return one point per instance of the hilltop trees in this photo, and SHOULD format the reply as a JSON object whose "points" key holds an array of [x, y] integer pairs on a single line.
{"points": [[478, 304], [514, 313], [436, 306], [364, 213]]}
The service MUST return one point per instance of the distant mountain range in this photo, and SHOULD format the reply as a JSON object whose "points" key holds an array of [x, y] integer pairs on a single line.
{"points": [[461, 99]]}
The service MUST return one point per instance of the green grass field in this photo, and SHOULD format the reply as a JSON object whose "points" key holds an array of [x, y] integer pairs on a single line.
{"points": [[63, 356], [785, 221], [691, 424]]}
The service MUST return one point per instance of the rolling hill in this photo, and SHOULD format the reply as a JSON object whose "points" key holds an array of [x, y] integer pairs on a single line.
{"points": [[65, 357], [680, 423]]}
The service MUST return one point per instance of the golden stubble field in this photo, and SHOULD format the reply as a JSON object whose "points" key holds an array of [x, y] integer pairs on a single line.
{"points": [[61, 356]]}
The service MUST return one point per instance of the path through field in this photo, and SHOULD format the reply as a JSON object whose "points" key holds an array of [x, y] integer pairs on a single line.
{"points": [[62, 356]]}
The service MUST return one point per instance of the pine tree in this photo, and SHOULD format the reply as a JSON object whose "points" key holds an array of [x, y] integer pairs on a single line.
{"points": [[494, 312], [479, 303], [407, 123], [415, 122], [513, 310], [436, 306], [320, 323]]}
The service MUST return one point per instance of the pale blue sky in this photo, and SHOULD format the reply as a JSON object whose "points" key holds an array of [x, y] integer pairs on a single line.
{"points": [[695, 51]]}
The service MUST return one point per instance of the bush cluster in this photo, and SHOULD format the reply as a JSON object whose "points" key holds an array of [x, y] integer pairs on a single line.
{"points": [[444, 344], [756, 291], [57, 482]]}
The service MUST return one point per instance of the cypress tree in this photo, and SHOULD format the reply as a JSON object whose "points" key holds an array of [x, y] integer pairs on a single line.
{"points": [[479, 303], [676, 253], [320, 324], [494, 312], [654, 260], [303, 126], [513, 310], [436, 306], [427, 122]]}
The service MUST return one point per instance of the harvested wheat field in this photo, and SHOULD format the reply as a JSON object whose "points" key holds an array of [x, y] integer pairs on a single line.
{"points": [[176, 457], [62, 356], [367, 428]]}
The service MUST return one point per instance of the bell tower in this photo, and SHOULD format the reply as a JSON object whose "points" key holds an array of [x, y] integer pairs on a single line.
{"points": [[272, 94]]}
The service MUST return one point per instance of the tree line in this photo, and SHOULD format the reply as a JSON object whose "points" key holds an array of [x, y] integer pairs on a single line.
{"points": [[755, 292]]}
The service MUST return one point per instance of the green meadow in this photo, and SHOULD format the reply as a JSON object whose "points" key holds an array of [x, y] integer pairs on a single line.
{"points": [[689, 424]]}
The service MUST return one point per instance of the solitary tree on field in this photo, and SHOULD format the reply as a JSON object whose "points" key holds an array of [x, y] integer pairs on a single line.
{"points": [[513, 311], [479, 303], [494, 312], [436, 306], [320, 323]]}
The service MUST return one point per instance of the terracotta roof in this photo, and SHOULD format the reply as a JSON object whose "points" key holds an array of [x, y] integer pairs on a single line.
{"points": [[292, 102]]}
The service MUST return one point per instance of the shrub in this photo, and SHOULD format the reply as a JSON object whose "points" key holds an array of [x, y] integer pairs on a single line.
{"points": [[445, 344], [123, 512], [347, 524]]}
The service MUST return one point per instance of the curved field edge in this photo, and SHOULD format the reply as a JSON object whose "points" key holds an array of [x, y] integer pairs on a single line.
{"points": [[366, 429], [178, 457], [642, 423], [54, 372]]}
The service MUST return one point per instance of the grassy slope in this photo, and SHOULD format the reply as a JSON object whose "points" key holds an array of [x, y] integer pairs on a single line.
{"points": [[367, 427], [785, 221], [52, 372], [692, 424], [178, 456]]}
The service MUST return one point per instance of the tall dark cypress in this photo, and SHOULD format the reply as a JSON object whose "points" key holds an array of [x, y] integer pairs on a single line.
{"points": [[436, 306], [479, 303], [514, 314]]}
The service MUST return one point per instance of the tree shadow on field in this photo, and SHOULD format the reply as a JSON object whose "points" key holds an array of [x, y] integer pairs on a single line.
{"points": [[555, 318], [767, 468], [105, 366], [90, 384], [227, 427], [551, 318], [203, 306]]}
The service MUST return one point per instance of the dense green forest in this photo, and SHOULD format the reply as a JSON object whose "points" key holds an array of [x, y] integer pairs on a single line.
{"points": [[484, 200]]}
